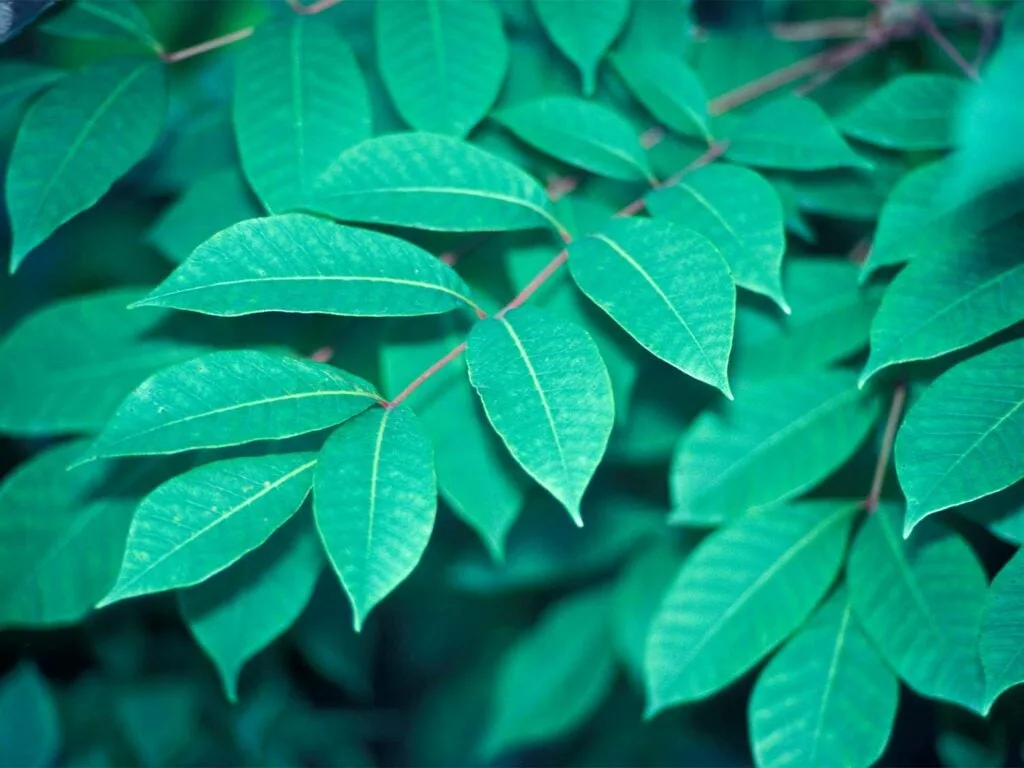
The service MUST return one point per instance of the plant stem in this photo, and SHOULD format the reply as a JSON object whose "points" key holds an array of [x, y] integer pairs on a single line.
{"points": [[899, 397], [313, 8], [209, 45], [932, 30], [415, 384]]}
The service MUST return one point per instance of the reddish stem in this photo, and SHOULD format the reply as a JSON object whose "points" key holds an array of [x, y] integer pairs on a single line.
{"points": [[899, 397], [313, 8], [932, 29], [209, 45], [415, 384]]}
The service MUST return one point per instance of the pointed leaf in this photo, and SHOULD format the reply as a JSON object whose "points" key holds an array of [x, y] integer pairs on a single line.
{"points": [[300, 263], [107, 20], [77, 140], [429, 181], [915, 111], [791, 133], [921, 602], [443, 62], [581, 133], [199, 523], [583, 30], [631, 270], [1002, 630], [21, 80], [666, 85], [230, 398], [546, 391], [960, 294], [239, 612], [300, 101], [964, 438], [554, 677], [1002, 513], [29, 725], [66, 367], [741, 593], [742, 459], [827, 698], [740, 213], [375, 497]]}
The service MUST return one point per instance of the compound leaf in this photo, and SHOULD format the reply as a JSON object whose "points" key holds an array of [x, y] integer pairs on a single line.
{"points": [[583, 30], [666, 85], [1002, 630]]}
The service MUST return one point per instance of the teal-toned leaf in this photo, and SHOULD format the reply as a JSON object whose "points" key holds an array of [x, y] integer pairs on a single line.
{"points": [[230, 398], [443, 62], [741, 593], [630, 269], [962, 292], [582, 30], [475, 474], [300, 263], [1001, 513], [106, 20], [830, 320], [581, 133], [921, 602], [213, 203], [29, 726], [741, 459], [197, 524], [1002, 631], [966, 740], [740, 213], [158, 718], [906, 225], [964, 438], [66, 367], [79, 138], [429, 181], [663, 82], [554, 677], [239, 612], [300, 101], [546, 391], [21, 80], [827, 698], [915, 111], [327, 641], [375, 497], [791, 133]]}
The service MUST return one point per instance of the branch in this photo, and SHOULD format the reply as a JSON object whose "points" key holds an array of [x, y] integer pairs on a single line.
{"points": [[209, 45], [931, 28], [899, 396]]}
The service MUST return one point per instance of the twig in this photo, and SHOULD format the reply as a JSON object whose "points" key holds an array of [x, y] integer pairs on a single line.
{"points": [[415, 384], [313, 8], [932, 30], [209, 45], [821, 29], [899, 396]]}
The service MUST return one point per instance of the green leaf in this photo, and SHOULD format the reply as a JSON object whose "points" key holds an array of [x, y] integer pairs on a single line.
{"points": [[908, 220], [327, 641], [475, 474], [740, 213], [300, 101], [546, 391], [671, 91], [581, 133], [230, 398], [106, 20], [429, 181], [741, 593], [197, 524], [827, 698], [21, 80], [830, 320], [213, 203], [631, 270], [79, 138], [30, 734], [554, 677], [443, 62], [305, 264], [66, 367], [1002, 631], [375, 497], [921, 602], [1001, 513], [791, 133], [582, 30], [963, 439], [961, 293], [741, 459], [913, 112], [239, 612]]}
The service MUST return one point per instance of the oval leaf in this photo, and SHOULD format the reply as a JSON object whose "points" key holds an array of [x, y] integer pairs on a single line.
{"points": [[684, 316], [299, 263], [229, 398], [95, 20], [375, 497], [741, 593], [21, 80], [546, 391], [583, 30], [666, 85], [1002, 631], [30, 733], [443, 61]]}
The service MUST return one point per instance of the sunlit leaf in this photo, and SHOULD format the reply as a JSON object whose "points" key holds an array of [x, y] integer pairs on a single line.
{"points": [[583, 30]]}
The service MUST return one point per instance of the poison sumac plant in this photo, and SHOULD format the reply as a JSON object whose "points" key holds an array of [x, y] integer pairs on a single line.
{"points": [[626, 293]]}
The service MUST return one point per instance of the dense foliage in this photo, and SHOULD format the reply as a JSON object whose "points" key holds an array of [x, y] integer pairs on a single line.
{"points": [[459, 382]]}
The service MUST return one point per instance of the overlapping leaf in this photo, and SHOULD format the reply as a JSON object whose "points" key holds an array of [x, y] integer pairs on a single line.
{"points": [[30, 732], [583, 30], [663, 82], [915, 111], [1002, 631], [96, 20], [21, 80]]}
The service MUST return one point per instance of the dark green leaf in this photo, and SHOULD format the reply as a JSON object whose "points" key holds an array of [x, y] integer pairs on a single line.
{"points": [[102, 20], [671, 91], [583, 30], [29, 727], [915, 111], [1002, 631], [21, 80]]}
